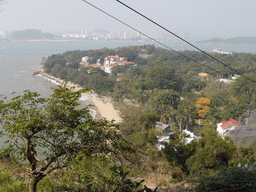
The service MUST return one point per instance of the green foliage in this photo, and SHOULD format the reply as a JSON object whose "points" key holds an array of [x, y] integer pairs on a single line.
{"points": [[232, 179], [53, 60], [163, 78], [245, 155], [177, 151], [163, 101], [95, 170], [130, 52], [212, 151], [138, 125], [121, 184], [56, 127], [10, 180], [167, 84]]}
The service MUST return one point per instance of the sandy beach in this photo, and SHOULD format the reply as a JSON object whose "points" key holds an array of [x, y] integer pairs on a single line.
{"points": [[105, 107], [102, 105]]}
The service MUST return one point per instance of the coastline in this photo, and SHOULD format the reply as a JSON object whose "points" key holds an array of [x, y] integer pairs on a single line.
{"points": [[41, 40], [101, 105]]}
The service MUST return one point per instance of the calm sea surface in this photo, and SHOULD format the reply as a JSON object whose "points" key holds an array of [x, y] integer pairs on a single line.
{"points": [[18, 59]]}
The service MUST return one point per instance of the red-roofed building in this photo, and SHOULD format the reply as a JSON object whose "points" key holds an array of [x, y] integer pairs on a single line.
{"points": [[113, 59], [97, 66], [84, 63], [225, 126], [123, 59]]}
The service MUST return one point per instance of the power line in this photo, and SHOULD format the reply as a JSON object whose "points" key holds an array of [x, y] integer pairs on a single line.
{"points": [[183, 40], [149, 36]]}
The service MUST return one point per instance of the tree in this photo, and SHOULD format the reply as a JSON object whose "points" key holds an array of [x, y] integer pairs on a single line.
{"points": [[50, 132], [163, 77], [177, 151], [212, 151], [202, 106], [163, 101]]}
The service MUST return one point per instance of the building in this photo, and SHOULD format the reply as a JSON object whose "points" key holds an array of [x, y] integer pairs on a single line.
{"points": [[220, 51], [225, 126], [166, 133], [109, 62], [162, 128], [225, 80], [96, 66], [84, 64], [204, 76], [114, 59], [235, 77], [85, 58], [108, 68], [191, 136]]}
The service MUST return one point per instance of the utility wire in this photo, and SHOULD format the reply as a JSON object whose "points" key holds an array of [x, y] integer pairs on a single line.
{"points": [[149, 36], [183, 40]]}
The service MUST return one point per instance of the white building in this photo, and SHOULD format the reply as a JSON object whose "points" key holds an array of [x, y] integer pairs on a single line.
{"points": [[220, 51], [2, 35], [166, 138], [226, 126], [225, 80], [191, 136], [235, 77], [85, 58]]}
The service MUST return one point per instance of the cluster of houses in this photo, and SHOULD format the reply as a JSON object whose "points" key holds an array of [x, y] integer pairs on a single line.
{"points": [[109, 62], [206, 76], [164, 132]]}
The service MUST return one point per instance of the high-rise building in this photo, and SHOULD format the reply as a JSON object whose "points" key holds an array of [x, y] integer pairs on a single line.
{"points": [[2, 34]]}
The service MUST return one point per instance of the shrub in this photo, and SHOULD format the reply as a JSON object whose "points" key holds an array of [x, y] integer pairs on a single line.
{"points": [[232, 179]]}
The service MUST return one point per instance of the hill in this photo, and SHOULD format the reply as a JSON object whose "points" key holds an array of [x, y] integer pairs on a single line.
{"points": [[30, 34], [235, 40]]}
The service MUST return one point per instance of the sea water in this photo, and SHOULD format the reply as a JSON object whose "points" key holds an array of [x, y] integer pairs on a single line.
{"points": [[19, 59]]}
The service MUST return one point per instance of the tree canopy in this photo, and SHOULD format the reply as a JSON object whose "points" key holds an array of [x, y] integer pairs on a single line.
{"points": [[50, 132]]}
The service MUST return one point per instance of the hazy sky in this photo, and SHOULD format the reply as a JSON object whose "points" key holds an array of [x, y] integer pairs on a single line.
{"points": [[222, 18]]}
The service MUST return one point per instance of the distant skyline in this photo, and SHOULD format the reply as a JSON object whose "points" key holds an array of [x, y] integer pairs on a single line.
{"points": [[205, 19]]}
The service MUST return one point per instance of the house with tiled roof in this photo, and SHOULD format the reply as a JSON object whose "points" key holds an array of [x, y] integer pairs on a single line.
{"points": [[226, 126], [84, 64], [96, 66], [114, 59]]}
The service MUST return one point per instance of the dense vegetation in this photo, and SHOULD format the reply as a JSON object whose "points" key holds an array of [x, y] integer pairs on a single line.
{"points": [[164, 86], [162, 77]]}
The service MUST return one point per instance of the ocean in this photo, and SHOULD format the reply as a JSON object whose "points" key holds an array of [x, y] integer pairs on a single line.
{"points": [[18, 59]]}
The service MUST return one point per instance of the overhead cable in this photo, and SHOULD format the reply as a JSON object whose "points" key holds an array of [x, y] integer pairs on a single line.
{"points": [[184, 40], [148, 36]]}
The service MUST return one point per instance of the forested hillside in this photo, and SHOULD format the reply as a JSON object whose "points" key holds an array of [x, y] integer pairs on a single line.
{"points": [[164, 88], [165, 82]]}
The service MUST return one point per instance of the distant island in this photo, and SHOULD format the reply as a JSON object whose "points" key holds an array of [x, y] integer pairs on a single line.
{"points": [[235, 40], [31, 34]]}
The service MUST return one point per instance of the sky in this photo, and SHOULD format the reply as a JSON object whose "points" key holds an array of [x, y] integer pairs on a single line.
{"points": [[205, 18]]}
